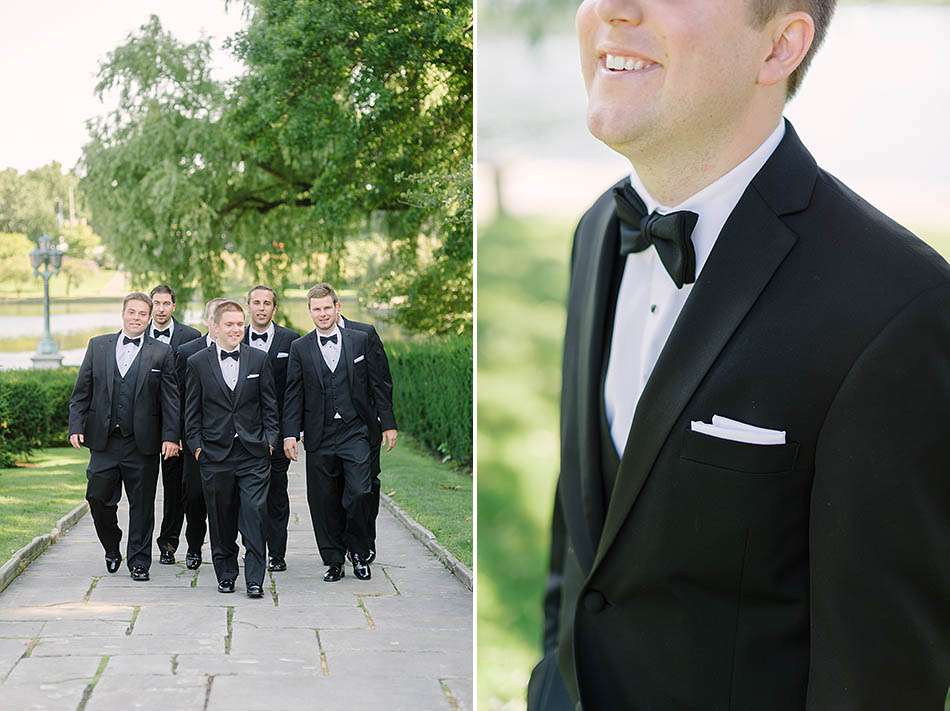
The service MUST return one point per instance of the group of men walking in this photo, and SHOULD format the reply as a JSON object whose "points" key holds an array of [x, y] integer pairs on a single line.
{"points": [[222, 414]]}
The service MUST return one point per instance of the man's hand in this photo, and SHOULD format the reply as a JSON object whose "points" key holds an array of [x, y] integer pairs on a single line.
{"points": [[169, 450], [389, 438], [197, 453], [290, 448], [76, 440]]}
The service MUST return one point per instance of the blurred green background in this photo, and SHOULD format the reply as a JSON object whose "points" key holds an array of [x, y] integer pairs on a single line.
{"points": [[538, 170]]}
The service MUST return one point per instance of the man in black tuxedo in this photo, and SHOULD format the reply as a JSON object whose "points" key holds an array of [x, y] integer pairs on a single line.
{"points": [[274, 340], [166, 328], [193, 498], [377, 431], [231, 424], [753, 509], [329, 379], [125, 408]]}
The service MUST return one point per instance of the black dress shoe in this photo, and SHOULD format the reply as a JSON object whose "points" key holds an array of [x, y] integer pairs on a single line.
{"points": [[361, 568], [255, 591], [139, 573], [334, 573], [277, 565], [113, 562], [226, 586], [167, 558], [371, 557], [193, 561]]}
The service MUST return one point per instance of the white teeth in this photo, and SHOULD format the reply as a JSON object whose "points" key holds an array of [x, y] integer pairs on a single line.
{"points": [[629, 64]]}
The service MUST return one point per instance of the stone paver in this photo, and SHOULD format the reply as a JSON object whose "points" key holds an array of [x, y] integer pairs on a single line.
{"points": [[74, 637]]}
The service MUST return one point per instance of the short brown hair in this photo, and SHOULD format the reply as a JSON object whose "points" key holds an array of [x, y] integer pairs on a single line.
{"points": [[210, 306], [226, 305], [163, 289], [137, 296], [820, 11], [261, 287], [321, 290]]}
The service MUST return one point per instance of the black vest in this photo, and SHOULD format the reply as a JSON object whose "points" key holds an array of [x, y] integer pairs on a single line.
{"points": [[336, 389], [123, 395]]}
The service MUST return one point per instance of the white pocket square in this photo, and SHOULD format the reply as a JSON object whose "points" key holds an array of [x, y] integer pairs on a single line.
{"points": [[724, 428], [156, 370], [253, 375], [357, 360], [283, 355]]}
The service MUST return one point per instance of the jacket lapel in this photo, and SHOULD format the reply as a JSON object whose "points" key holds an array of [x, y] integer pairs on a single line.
{"points": [[347, 350], [752, 245], [315, 353], [581, 496], [215, 361], [244, 364], [109, 345], [144, 356]]}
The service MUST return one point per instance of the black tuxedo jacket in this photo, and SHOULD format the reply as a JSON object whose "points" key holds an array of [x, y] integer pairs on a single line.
{"points": [[279, 354], [214, 414], [384, 409], [182, 334], [303, 404], [721, 575], [184, 352], [156, 417]]}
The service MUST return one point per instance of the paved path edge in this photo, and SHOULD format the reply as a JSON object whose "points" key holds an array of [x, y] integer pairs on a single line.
{"points": [[32, 550], [428, 539]]}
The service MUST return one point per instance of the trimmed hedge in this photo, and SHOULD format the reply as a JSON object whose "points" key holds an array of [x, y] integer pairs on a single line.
{"points": [[432, 393], [34, 411]]}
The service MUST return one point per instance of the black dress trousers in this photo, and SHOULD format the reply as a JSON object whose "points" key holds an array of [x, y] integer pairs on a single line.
{"points": [[173, 510], [236, 494], [193, 499], [339, 490], [278, 506], [121, 463]]}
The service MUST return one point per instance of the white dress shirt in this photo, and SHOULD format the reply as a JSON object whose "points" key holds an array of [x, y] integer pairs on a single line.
{"points": [[164, 339], [125, 354], [208, 339], [259, 343], [229, 368], [649, 303], [330, 350]]}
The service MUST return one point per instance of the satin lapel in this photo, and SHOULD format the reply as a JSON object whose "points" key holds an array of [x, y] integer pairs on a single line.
{"points": [[145, 353], [347, 349], [581, 495], [214, 359], [244, 365], [317, 356], [752, 245], [110, 362]]}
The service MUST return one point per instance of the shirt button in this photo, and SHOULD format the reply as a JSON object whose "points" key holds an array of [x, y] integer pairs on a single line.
{"points": [[594, 601], [652, 308]]}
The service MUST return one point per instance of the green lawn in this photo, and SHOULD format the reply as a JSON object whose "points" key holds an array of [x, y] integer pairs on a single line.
{"points": [[439, 496], [522, 275], [35, 496]]}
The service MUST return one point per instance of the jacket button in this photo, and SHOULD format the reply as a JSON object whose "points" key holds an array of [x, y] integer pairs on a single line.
{"points": [[594, 601]]}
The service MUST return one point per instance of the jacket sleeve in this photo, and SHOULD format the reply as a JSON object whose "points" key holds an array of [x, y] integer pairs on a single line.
{"points": [[193, 415], [293, 395], [880, 523], [269, 405], [171, 400], [82, 394], [381, 380]]}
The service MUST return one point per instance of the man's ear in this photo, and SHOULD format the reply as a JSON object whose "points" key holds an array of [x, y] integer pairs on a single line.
{"points": [[792, 36]]}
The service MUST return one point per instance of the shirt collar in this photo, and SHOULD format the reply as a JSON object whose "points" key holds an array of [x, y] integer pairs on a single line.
{"points": [[335, 331], [342, 322], [725, 189], [219, 349], [269, 331], [123, 333], [208, 339], [170, 327]]}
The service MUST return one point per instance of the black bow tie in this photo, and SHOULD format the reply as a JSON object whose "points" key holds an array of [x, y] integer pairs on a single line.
{"points": [[327, 339], [167, 333], [260, 336], [669, 233], [233, 354], [126, 340]]}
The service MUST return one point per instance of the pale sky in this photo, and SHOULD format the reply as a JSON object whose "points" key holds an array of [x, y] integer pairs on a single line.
{"points": [[49, 54]]}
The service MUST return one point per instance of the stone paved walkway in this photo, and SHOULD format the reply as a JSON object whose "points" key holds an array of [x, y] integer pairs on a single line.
{"points": [[74, 637]]}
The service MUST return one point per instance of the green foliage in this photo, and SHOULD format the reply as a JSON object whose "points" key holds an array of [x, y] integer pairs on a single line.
{"points": [[15, 269], [34, 411], [432, 383], [29, 202], [344, 125]]}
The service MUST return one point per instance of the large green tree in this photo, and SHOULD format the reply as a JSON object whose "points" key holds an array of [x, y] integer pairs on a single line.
{"points": [[351, 119]]}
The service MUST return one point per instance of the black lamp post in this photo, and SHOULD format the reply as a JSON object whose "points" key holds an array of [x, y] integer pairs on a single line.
{"points": [[46, 260]]}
